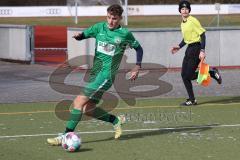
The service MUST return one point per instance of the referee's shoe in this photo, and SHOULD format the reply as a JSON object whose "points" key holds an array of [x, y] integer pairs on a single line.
{"points": [[189, 102], [217, 76]]}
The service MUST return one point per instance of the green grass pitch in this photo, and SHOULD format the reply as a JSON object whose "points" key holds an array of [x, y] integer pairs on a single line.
{"points": [[155, 129]]}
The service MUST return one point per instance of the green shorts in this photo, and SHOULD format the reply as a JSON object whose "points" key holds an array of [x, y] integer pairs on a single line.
{"points": [[96, 87]]}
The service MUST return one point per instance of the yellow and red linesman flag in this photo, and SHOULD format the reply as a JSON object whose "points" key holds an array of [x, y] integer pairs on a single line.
{"points": [[204, 78]]}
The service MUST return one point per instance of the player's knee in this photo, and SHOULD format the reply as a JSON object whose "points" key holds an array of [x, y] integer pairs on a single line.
{"points": [[78, 98], [79, 102]]}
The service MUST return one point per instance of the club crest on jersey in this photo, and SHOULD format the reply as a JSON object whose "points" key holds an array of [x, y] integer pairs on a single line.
{"points": [[117, 40]]}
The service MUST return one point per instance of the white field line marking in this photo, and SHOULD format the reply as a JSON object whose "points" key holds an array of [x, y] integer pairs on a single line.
{"points": [[121, 108], [133, 130]]}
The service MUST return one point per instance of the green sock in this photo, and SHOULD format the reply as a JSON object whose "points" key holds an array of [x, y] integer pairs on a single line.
{"points": [[115, 121], [75, 117], [102, 115]]}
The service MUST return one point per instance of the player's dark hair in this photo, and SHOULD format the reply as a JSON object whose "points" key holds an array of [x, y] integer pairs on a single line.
{"points": [[115, 9], [183, 4]]}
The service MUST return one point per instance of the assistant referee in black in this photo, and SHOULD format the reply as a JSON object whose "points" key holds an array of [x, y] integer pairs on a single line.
{"points": [[194, 36]]}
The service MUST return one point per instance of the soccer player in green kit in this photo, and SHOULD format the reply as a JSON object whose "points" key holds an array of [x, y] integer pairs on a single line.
{"points": [[111, 42]]}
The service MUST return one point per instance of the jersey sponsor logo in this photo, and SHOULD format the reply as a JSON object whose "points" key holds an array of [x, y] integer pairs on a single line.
{"points": [[106, 48]]}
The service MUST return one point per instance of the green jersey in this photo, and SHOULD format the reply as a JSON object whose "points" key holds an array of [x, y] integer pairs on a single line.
{"points": [[110, 47]]}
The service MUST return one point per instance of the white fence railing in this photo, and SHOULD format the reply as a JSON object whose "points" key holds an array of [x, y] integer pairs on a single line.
{"points": [[222, 49], [222, 46], [16, 42]]}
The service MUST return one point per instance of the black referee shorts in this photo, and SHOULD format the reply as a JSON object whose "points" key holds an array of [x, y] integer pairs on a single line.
{"points": [[191, 61]]}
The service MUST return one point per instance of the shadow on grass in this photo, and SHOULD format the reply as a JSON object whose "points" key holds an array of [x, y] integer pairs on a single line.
{"points": [[160, 131], [99, 140], [192, 129], [222, 101], [83, 150]]}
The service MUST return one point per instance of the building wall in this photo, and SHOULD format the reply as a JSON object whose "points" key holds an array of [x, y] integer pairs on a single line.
{"points": [[222, 47]]}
